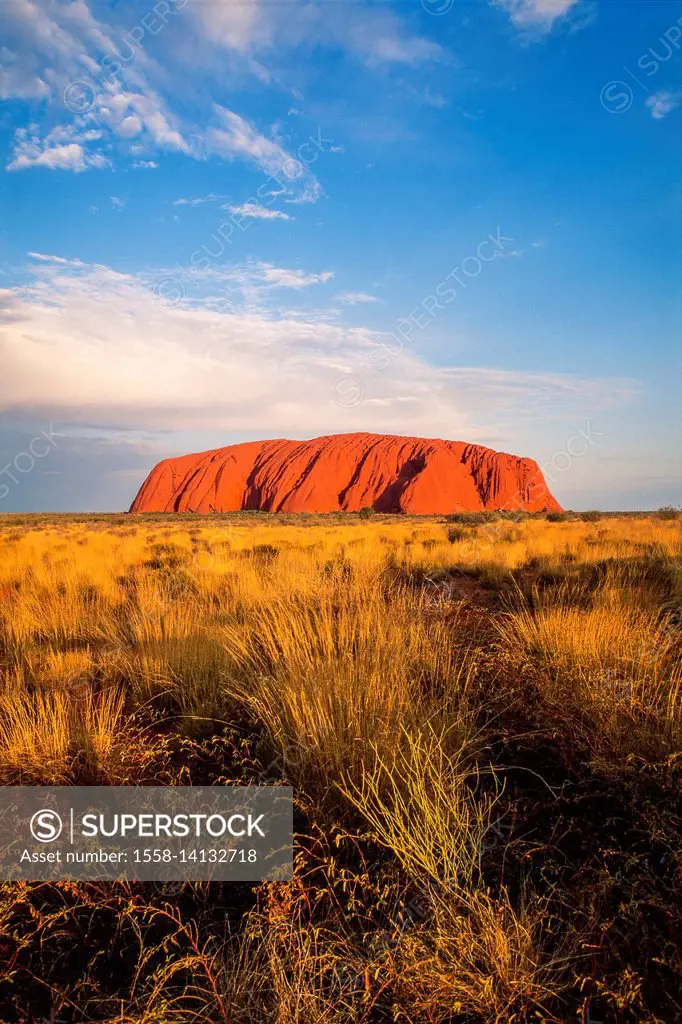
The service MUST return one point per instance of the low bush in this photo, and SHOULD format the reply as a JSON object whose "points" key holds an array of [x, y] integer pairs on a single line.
{"points": [[592, 516], [471, 518]]}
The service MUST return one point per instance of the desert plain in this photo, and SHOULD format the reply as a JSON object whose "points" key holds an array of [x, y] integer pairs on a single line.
{"points": [[480, 715]]}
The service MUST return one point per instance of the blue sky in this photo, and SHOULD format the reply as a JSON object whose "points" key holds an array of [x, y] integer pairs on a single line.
{"points": [[225, 221]]}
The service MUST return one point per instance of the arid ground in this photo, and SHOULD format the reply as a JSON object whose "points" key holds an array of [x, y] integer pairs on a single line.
{"points": [[482, 720]]}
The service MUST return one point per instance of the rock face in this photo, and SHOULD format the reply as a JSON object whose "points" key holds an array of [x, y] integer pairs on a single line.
{"points": [[346, 472]]}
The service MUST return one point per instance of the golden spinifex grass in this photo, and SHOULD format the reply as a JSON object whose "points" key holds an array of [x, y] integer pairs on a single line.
{"points": [[340, 679], [617, 667], [481, 721], [40, 732]]}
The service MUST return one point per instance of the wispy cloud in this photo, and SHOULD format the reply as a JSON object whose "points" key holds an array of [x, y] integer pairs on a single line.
{"points": [[353, 298], [283, 278], [243, 27], [254, 28], [257, 212], [116, 103], [52, 152], [251, 210], [224, 286], [662, 103], [237, 137], [44, 257], [380, 37], [518, 253], [88, 344], [536, 15], [212, 197], [48, 49]]}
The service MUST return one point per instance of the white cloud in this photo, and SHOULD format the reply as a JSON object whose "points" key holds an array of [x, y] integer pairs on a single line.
{"points": [[237, 137], [379, 39], [258, 27], [117, 202], [48, 56], [111, 102], [47, 258], [237, 26], [258, 212], [231, 287], [17, 81], [86, 344], [518, 253], [97, 77], [32, 151], [352, 298], [536, 15], [150, 164], [130, 126], [129, 113], [254, 279], [212, 197], [280, 277], [250, 209], [114, 98], [662, 103]]}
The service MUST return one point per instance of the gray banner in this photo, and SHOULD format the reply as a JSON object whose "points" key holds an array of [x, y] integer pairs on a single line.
{"points": [[150, 833]]}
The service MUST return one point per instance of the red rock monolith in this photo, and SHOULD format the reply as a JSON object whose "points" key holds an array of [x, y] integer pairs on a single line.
{"points": [[346, 472]]}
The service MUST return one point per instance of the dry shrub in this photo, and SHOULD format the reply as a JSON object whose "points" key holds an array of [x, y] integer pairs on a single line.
{"points": [[53, 738], [421, 804], [325, 679], [35, 738], [294, 971], [611, 666], [481, 958], [183, 674], [473, 953]]}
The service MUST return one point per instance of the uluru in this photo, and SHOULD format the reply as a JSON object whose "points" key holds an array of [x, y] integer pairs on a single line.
{"points": [[345, 473]]}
